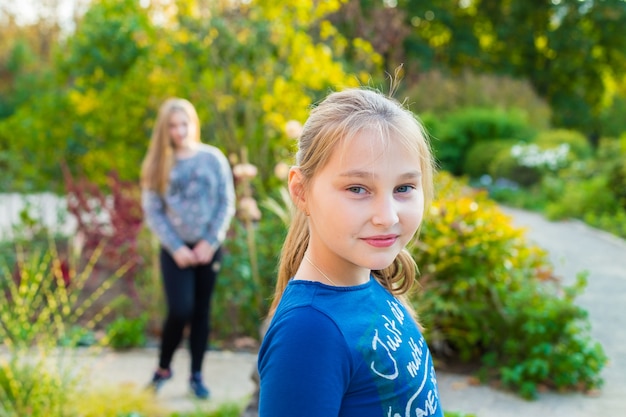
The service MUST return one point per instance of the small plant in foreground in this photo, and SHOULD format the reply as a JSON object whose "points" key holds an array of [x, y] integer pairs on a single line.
{"points": [[34, 388], [118, 401], [125, 333], [42, 304], [223, 410], [42, 300]]}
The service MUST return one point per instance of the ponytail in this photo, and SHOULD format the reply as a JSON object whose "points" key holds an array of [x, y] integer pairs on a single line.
{"points": [[296, 244]]}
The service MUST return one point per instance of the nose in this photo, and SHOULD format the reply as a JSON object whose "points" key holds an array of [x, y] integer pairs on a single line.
{"points": [[181, 131], [385, 212]]}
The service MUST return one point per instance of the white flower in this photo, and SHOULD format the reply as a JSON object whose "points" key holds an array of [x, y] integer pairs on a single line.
{"points": [[533, 156], [249, 210], [281, 170], [243, 171], [293, 129]]}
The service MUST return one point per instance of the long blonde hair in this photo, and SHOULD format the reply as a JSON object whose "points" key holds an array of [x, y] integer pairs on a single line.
{"points": [[342, 115], [156, 166]]}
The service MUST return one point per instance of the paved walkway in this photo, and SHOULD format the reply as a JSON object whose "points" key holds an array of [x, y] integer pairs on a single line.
{"points": [[573, 248], [227, 375]]}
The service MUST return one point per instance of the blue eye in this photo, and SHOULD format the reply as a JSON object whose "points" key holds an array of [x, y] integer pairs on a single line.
{"points": [[356, 189], [405, 188]]}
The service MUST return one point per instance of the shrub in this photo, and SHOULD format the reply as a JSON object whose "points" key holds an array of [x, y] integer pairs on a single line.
{"points": [[549, 153], [42, 306], [110, 220], [42, 300], [581, 198], [612, 117], [240, 302], [121, 401], [518, 197], [224, 410], [151, 298], [250, 259], [33, 388], [481, 156], [460, 130], [613, 154], [439, 93], [592, 190], [489, 295], [506, 164], [578, 145], [614, 223], [545, 341], [125, 333]]}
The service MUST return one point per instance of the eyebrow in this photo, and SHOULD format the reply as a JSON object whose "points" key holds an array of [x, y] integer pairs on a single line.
{"points": [[411, 175]]}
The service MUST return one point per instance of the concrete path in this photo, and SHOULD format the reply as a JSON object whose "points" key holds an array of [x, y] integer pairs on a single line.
{"points": [[227, 374]]}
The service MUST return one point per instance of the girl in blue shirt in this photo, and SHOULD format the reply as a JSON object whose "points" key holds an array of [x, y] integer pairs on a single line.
{"points": [[343, 340]]}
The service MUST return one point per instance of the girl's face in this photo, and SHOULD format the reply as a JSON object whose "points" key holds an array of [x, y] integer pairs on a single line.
{"points": [[364, 206], [180, 130]]}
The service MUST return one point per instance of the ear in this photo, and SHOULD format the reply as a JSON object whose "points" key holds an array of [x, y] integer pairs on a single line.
{"points": [[297, 189]]}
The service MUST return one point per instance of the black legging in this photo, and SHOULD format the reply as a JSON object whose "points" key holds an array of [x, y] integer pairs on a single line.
{"points": [[188, 294]]}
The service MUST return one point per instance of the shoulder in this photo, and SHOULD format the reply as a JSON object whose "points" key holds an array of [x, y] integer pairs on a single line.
{"points": [[308, 319], [301, 316], [207, 151], [300, 309], [304, 331]]}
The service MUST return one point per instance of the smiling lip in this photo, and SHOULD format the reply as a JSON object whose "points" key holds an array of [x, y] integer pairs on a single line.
{"points": [[381, 241]]}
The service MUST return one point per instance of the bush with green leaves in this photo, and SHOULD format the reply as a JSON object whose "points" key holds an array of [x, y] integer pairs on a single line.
{"points": [[35, 388], [489, 295], [240, 301], [577, 199], [581, 183], [592, 190], [509, 163], [455, 133], [42, 298], [125, 332], [223, 410], [126, 400], [612, 154], [577, 144], [44, 308], [441, 93], [481, 155]]}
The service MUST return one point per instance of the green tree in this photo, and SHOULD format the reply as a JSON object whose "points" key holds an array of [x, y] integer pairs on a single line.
{"points": [[25, 57], [570, 50], [566, 48], [249, 68]]}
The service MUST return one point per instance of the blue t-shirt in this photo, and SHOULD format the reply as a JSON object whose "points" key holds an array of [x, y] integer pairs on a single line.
{"points": [[345, 351]]}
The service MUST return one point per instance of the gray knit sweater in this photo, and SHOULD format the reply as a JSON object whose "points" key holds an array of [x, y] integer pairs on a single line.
{"points": [[198, 204]]}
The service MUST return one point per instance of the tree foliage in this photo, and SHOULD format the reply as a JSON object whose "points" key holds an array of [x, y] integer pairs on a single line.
{"points": [[572, 51], [248, 68], [25, 55]]}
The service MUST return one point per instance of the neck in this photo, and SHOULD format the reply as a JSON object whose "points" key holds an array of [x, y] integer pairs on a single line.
{"points": [[330, 279], [319, 270], [185, 151]]}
